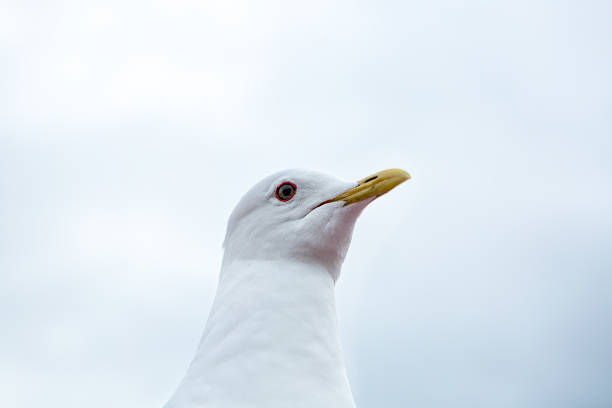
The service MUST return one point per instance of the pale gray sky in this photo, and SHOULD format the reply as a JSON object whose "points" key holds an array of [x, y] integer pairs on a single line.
{"points": [[129, 129]]}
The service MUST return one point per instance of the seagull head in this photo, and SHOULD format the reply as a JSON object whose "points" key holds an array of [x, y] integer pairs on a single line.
{"points": [[302, 215]]}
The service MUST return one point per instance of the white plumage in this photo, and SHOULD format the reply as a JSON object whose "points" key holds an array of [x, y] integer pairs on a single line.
{"points": [[271, 339]]}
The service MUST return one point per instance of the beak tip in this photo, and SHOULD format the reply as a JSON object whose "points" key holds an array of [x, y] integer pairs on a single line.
{"points": [[402, 175]]}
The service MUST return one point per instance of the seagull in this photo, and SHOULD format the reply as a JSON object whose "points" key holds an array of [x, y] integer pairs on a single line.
{"points": [[271, 339]]}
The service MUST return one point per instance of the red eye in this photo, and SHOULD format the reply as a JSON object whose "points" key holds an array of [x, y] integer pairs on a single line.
{"points": [[285, 191]]}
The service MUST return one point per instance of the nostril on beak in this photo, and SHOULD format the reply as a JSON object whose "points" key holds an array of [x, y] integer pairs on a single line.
{"points": [[370, 179]]}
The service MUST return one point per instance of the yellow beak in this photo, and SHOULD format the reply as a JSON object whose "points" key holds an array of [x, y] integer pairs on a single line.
{"points": [[373, 186]]}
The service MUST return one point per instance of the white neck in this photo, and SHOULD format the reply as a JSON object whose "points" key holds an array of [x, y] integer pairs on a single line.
{"points": [[271, 340]]}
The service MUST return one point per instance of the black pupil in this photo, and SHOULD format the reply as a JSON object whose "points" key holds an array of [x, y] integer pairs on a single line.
{"points": [[286, 191]]}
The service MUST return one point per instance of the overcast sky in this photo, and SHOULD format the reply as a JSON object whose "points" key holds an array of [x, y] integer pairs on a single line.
{"points": [[129, 130]]}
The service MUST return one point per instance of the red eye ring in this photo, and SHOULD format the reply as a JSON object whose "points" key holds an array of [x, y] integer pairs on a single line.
{"points": [[287, 193]]}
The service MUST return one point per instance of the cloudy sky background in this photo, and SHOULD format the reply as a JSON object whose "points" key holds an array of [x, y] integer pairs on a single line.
{"points": [[129, 129]]}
